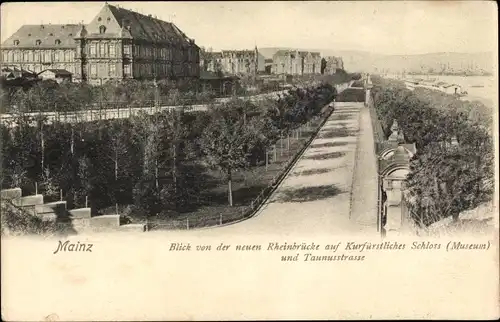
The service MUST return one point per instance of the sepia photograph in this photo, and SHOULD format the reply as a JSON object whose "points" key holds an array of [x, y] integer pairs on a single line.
{"points": [[249, 160]]}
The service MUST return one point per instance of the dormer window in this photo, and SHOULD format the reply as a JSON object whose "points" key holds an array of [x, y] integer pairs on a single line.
{"points": [[57, 42], [109, 19], [102, 29], [38, 42], [29, 35], [70, 35], [51, 34], [16, 42], [99, 19]]}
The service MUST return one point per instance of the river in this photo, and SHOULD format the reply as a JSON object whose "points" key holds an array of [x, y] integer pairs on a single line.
{"points": [[481, 88]]}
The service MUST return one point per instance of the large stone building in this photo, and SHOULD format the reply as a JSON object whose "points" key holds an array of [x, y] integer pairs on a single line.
{"points": [[116, 44], [332, 64], [295, 62], [236, 62]]}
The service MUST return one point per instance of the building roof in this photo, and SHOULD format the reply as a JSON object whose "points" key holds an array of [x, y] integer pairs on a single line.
{"points": [[28, 35], [132, 24], [208, 75], [148, 27], [210, 55], [57, 72], [238, 52], [13, 71]]}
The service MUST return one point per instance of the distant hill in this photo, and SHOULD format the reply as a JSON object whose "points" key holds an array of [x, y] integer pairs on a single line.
{"points": [[355, 60]]}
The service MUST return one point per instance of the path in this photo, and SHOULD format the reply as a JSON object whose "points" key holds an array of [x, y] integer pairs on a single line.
{"points": [[365, 181]]}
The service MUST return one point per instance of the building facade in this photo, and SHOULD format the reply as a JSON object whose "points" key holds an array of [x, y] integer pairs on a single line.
{"points": [[235, 62], [116, 44], [211, 61], [294, 62], [332, 64]]}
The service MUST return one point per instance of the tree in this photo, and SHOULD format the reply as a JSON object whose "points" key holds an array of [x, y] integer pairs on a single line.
{"points": [[227, 141]]}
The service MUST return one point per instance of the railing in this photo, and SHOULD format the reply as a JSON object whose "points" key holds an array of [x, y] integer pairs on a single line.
{"points": [[114, 111]]}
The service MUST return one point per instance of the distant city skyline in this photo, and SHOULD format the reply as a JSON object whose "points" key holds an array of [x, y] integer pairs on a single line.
{"points": [[390, 28]]}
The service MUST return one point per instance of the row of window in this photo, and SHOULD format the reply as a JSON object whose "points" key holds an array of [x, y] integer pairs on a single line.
{"points": [[103, 50], [103, 69], [38, 56], [38, 42], [166, 53]]}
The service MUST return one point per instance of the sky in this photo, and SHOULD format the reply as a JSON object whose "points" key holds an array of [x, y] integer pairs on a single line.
{"points": [[386, 27]]}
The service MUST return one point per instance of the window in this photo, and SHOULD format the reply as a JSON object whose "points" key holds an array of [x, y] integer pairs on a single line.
{"points": [[37, 56], [70, 35], [93, 70], [25, 56], [67, 56], [38, 42], [126, 69], [99, 19], [56, 56], [51, 34], [112, 50], [102, 49], [109, 19], [57, 42], [47, 57], [102, 29], [112, 70], [92, 49], [126, 50], [16, 42]]}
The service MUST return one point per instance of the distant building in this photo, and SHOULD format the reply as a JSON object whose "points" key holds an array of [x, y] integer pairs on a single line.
{"points": [[235, 62], [296, 62], [58, 75], [211, 61], [116, 44], [218, 83], [332, 64]]}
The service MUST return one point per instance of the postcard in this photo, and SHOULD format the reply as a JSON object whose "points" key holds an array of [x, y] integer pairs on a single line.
{"points": [[257, 160]]}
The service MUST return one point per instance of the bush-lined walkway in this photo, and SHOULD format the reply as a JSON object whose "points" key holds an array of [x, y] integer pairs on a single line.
{"points": [[314, 198]]}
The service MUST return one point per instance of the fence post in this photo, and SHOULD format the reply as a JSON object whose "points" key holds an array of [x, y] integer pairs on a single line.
{"points": [[220, 219], [187, 223], [60, 193], [86, 201], [36, 188]]}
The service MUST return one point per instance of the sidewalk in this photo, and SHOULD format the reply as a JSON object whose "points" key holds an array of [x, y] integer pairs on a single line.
{"points": [[365, 181]]}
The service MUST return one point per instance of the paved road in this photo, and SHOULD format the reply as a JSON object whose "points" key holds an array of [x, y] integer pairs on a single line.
{"points": [[315, 196]]}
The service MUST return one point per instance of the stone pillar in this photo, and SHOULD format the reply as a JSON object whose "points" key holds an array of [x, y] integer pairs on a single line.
{"points": [[394, 221]]}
